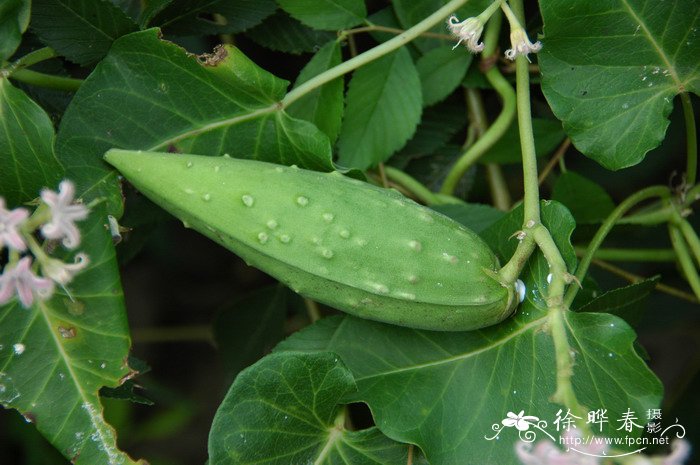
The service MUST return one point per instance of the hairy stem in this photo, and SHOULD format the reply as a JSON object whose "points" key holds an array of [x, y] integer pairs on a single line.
{"points": [[606, 227], [372, 54], [691, 139]]}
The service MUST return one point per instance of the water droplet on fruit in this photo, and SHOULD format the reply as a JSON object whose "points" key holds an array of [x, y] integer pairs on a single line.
{"points": [[272, 224], [206, 197], [415, 245], [302, 201], [344, 233], [263, 237], [327, 253], [189, 191], [248, 200], [413, 279], [328, 217], [285, 239], [190, 164]]}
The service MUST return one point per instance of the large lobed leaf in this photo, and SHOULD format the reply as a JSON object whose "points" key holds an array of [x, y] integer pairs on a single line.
{"points": [[150, 94], [284, 410], [611, 68], [444, 391]]}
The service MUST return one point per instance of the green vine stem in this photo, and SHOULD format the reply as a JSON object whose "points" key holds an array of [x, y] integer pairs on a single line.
{"points": [[30, 59], [47, 80], [684, 259], [502, 122], [564, 393], [636, 198], [373, 53], [631, 255], [691, 237], [691, 139], [412, 185], [497, 183], [661, 215]]}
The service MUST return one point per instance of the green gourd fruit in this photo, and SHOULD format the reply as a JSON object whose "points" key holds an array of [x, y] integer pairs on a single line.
{"points": [[368, 251]]}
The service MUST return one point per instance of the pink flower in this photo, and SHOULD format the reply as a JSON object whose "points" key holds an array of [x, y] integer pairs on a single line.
{"points": [[10, 221], [24, 282], [64, 214], [61, 272], [520, 421]]}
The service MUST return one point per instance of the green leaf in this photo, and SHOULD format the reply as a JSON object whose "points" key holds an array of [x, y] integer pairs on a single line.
{"points": [[59, 353], [474, 216], [326, 14], [587, 201], [80, 30], [196, 17], [283, 33], [610, 71], [411, 12], [624, 302], [439, 124], [323, 106], [250, 327], [150, 94], [548, 135], [444, 391], [441, 71], [383, 110], [27, 163], [284, 410], [14, 19]]}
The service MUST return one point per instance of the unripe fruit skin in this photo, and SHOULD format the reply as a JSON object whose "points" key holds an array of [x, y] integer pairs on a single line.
{"points": [[368, 251]]}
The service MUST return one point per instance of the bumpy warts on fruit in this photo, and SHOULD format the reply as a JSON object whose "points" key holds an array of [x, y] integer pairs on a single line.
{"points": [[368, 251]]}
